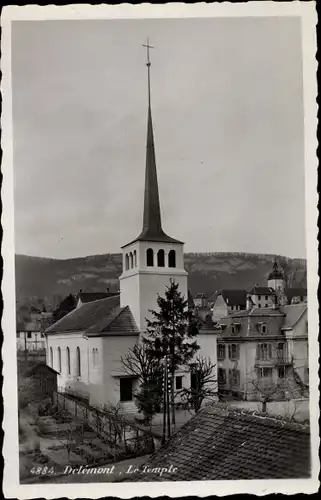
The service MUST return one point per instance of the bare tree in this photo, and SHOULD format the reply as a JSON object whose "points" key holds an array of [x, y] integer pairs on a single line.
{"points": [[269, 390], [149, 371], [293, 274], [205, 384], [116, 424], [138, 363]]}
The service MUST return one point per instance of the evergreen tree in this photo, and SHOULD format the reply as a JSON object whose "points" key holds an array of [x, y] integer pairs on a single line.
{"points": [[65, 307], [172, 332]]}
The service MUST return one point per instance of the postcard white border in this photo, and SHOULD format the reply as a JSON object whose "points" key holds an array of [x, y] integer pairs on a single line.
{"points": [[307, 12]]}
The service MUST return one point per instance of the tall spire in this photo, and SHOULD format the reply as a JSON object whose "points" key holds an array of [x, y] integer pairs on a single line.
{"points": [[152, 215], [152, 224]]}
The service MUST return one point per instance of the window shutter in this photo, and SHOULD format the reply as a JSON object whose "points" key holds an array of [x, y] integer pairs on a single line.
{"points": [[230, 376], [258, 351], [270, 350], [237, 351], [230, 351]]}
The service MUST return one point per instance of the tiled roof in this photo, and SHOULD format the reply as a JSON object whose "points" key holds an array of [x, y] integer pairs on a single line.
{"points": [[92, 296], [86, 316], [28, 326], [234, 297], [200, 296], [119, 322], [256, 311], [225, 443], [34, 369], [295, 292], [293, 314], [262, 290]]}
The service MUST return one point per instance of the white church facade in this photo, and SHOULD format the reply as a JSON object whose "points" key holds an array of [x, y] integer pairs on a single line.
{"points": [[86, 346]]}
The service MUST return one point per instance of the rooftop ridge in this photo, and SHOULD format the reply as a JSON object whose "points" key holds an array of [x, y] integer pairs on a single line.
{"points": [[260, 417], [86, 305]]}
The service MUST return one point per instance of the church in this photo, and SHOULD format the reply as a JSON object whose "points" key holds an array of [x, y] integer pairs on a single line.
{"points": [[86, 346]]}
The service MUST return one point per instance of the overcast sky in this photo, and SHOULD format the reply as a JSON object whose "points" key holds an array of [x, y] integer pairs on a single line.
{"points": [[228, 123]]}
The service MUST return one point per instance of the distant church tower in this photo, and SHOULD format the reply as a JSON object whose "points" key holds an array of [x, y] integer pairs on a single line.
{"points": [[153, 258], [276, 278], [277, 282]]}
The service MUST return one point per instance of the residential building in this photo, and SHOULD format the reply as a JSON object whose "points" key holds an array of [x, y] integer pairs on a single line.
{"points": [[200, 300], [262, 296], [45, 378], [87, 345], [264, 351], [222, 443], [227, 301], [30, 334]]}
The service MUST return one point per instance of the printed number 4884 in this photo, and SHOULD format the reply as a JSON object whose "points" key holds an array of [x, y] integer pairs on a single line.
{"points": [[42, 470]]}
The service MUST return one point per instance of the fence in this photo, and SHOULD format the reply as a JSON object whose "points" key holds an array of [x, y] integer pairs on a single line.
{"points": [[122, 435]]}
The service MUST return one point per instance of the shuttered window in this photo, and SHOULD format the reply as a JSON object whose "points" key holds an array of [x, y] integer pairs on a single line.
{"points": [[234, 351]]}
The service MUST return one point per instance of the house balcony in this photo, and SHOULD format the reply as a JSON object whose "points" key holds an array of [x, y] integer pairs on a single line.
{"points": [[279, 358]]}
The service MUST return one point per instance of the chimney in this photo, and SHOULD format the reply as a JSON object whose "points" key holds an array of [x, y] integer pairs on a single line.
{"points": [[108, 290], [80, 290]]}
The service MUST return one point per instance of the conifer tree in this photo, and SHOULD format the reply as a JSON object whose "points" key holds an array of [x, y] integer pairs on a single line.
{"points": [[172, 332]]}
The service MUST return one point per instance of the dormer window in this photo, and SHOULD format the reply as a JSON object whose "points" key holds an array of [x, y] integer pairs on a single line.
{"points": [[236, 327], [262, 327]]}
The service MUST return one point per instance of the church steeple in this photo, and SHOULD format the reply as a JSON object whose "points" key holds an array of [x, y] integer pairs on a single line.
{"points": [[152, 223], [153, 259]]}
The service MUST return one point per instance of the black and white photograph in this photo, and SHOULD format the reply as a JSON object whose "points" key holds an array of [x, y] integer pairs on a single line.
{"points": [[160, 239]]}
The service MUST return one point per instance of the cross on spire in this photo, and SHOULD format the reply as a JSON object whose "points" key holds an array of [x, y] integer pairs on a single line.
{"points": [[148, 63]]}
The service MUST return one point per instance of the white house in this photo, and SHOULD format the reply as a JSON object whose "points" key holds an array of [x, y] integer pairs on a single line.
{"points": [[86, 346]]}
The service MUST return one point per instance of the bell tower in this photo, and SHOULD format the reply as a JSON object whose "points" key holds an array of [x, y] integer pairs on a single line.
{"points": [[153, 258]]}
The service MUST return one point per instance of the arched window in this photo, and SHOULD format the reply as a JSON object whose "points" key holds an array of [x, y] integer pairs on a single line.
{"points": [[95, 356], [59, 360], [135, 258], [78, 362], [126, 262], [131, 262], [68, 360], [172, 259], [51, 357], [161, 258], [149, 257]]}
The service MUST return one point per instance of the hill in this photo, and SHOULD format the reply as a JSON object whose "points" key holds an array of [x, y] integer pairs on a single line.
{"points": [[39, 279]]}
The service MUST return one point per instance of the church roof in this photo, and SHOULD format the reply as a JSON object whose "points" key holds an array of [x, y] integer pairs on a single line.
{"points": [[119, 322], [276, 273], [87, 315], [233, 443], [152, 224], [92, 296]]}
